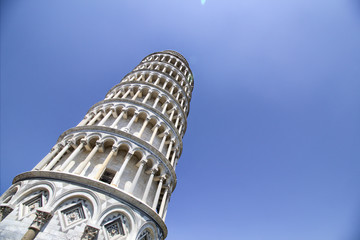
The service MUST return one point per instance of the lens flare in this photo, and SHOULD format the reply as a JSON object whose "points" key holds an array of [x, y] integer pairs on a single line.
{"points": [[203, 2]]}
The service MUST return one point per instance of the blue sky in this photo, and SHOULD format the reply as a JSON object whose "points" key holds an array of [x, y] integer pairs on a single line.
{"points": [[272, 145]]}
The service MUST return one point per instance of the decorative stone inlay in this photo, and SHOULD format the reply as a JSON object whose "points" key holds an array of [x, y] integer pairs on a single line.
{"points": [[40, 220], [4, 211], [73, 214], [115, 229], [33, 204], [90, 233]]}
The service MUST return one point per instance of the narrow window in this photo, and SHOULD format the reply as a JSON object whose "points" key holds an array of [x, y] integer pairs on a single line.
{"points": [[107, 176]]}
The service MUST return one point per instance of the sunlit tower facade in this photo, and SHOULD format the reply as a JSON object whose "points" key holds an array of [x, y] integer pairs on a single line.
{"points": [[112, 176]]}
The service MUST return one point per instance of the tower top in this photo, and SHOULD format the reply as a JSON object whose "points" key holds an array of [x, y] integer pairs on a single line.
{"points": [[175, 53]]}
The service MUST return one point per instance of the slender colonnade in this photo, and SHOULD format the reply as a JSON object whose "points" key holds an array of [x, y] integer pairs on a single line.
{"points": [[113, 174]]}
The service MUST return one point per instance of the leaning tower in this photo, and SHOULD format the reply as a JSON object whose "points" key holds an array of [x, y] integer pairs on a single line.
{"points": [[111, 176]]}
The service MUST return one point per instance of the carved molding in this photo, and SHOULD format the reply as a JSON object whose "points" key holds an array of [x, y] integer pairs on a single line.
{"points": [[40, 220]]}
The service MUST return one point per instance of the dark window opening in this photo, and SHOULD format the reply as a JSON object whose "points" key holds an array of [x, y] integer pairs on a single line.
{"points": [[107, 176]]}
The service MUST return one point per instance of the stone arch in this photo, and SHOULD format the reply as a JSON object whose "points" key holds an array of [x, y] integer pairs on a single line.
{"points": [[119, 107], [37, 195], [163, 127], [107, 107], [139, 153], [108, 141], [113, 213], [34, 187], [161, 169], [92, 138], [143, 114], [151, 228], [131, 110], [10, 193], [151, 161], [78, 137], [66, 138], [124, 145], [85, 194]]}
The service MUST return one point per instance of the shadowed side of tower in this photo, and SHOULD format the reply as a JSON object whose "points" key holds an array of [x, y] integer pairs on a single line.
{"points": [[111, 176]]}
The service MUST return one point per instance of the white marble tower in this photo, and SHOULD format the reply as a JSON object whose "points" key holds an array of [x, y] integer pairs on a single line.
{"points": [[111, 176]]}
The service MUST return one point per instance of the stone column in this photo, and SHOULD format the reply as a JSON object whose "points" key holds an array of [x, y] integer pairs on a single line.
{"points": [[106, 162], [83, 164], [157, 195], [105, 118], [136, 94], [140, 78], [166, 82], [149, 77], [40, 220], [148, 185], [90, 233], [175, 164], [114, 125], [181, 126], [169, 148], [4, 211], [47, 158], [147, 97], [157, 81], [94, 119], [136, 178], [162, 206], [58, 156], [154, 133], [173, 158], [73, 155], [172, 114], [118, 93], [163, 141], [164, 69], [127, 93], [182, 103], [164, 107], [177, 121], [127, 128], [166, 207], [115, 182], [109, 96], [84, 121], [143, 128], [156, 101]]}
